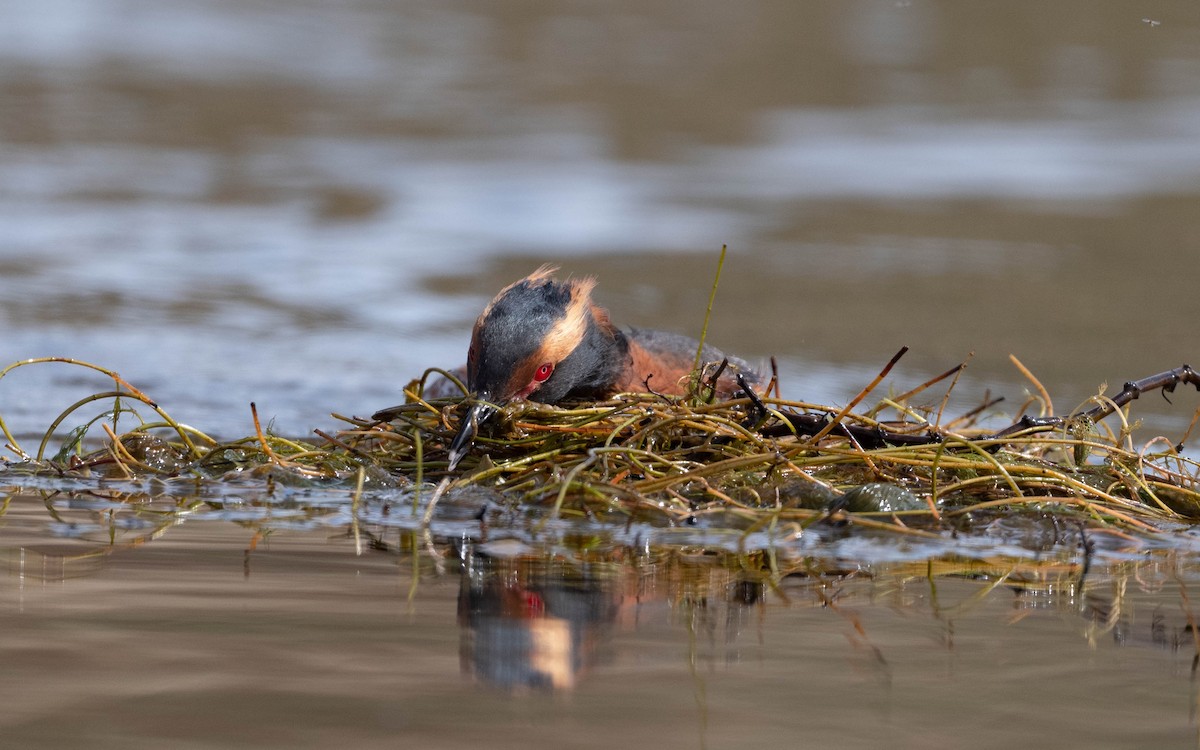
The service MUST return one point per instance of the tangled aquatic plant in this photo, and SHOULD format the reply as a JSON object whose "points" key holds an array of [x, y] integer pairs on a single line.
{"points": [[754, 462]]}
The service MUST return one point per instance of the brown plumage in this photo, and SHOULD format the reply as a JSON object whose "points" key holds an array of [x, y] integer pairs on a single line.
{"points": [[546, 340]]}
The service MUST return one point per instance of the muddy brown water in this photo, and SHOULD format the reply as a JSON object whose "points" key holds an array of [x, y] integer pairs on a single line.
{"points": [[304, 204], [284, 627]]}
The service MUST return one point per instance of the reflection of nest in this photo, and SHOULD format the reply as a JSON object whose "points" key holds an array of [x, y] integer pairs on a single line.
{"points": [[531, 622]]}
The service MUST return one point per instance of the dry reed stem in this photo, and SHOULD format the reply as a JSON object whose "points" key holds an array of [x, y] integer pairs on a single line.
{"points": [[1042, 394]]}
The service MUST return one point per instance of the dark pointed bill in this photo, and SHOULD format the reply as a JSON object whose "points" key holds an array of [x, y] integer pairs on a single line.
{"points": [[476, 415]]}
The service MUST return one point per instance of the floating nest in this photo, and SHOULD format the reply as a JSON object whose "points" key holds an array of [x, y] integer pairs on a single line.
{"points": [[745, 463]]}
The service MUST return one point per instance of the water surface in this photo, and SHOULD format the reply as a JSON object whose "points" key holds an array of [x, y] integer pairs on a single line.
{"points": [[279, 627], [304, 205]]}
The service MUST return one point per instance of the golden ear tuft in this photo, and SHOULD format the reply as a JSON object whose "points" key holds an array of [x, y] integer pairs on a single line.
{"points": [[581, 289], [568, 332], [544, 272]]}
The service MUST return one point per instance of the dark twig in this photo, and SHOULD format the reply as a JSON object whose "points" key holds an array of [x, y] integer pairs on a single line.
{"points": [[1164, 381], [711, 381], [932, 381], [837, 419], [876, 437], [988, 403], [760, 409], [868, 437]]}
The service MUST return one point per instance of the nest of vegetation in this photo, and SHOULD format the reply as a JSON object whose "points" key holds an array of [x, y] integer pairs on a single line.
{"points": [[738, 464]]}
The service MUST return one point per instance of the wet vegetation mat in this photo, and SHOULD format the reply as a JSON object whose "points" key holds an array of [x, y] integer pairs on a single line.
{"points": [[744, 476]]}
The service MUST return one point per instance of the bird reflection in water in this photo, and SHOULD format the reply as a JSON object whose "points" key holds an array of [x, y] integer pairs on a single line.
{"points": [[530, 623], [526, 626]]}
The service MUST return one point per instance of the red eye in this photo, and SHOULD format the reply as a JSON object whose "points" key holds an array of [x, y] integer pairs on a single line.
{"points": [[543, 372]]}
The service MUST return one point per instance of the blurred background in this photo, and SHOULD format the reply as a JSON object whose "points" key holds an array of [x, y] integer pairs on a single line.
{"points": [[304, 204]]}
